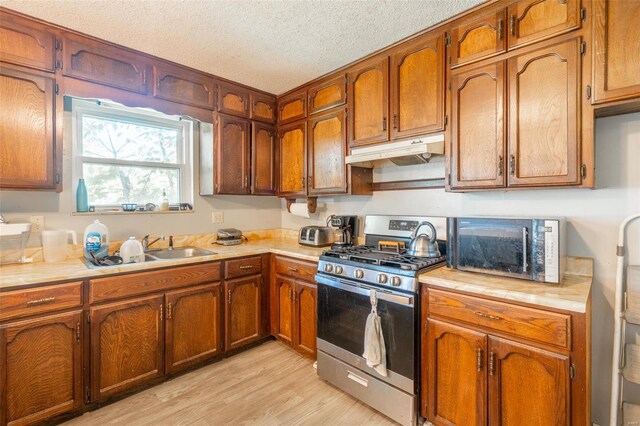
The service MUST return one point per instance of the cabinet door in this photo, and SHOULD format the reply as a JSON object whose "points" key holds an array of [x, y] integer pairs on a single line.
{"points": [[527, 385], [292, 107], [457, 376], [369, 103], [181, 85], [232, 155], [263, 145], [26, 43], [127, 345], [27, 131], [544, 116], [41, 368], [305, 298], [327, 148], [193, 326], [478, 127], [282, 308], [616, 38], [291, 154], [243, 314], [263, 108], [233, 99], [328, 94], [417, 87], [478, 39], [535, 20], [102, 63]]}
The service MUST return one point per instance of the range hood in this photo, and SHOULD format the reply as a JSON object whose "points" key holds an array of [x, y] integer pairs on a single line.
{"points": [[402, 153]]}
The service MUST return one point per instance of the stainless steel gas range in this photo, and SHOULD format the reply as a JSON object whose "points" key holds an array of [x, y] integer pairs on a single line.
{"points": [[346, 278]]}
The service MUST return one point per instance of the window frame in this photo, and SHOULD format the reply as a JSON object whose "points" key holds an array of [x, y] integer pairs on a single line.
{"points": [[140, 116]]}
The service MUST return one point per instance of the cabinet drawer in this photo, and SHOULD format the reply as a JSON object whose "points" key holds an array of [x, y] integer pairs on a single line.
{"points": [[296, 268], [38, 300], [529, 323], [240, 267], [103, 289]]}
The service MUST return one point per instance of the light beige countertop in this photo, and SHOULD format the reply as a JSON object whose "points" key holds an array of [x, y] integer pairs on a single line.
{"points": [[71, 269], [572, 294]]}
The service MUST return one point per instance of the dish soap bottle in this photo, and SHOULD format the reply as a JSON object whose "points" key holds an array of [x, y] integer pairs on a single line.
{"points": [[82, 201], [96, 239], [165, 202]]}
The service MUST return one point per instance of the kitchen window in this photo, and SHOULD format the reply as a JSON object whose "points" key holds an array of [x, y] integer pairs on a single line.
{"points": [[131, 155]]}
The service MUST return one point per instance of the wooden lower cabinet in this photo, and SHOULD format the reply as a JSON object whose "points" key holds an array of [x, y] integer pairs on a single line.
{"points": [[282, 308], [243, 313], [40, 368]]}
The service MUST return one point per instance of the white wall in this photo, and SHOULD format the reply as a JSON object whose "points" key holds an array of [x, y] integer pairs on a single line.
{"points": [[593, 216]]}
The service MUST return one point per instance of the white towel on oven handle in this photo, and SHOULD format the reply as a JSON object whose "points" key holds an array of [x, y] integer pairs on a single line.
{"points": [[374, 350]]}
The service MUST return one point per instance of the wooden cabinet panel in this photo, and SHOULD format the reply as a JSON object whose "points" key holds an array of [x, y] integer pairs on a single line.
{"points": [[282, 309], [243, 317], [181, 85], [327, 148], [40, 300], [417, 87], [233, 99], [477, 155], [193, 326], [127, 345], [369, 102], [263, 168], [535, 20], [27, 131], [26, 43], [41, 368], [544, 116], [232, 155], [235, 268], [292, 107], [295, 268], [527, 385], [305, 298], [457, 376], [291, 152], [102, 63], [328, 94], [478, 39], [263, 108], [616, 51]]}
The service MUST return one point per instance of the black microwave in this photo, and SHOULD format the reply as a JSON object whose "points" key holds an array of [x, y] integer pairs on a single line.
{"points": [[531, 249]]}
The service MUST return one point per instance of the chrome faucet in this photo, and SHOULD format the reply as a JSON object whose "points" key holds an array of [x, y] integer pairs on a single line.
{"points": [[146, 243], [170, 242]]}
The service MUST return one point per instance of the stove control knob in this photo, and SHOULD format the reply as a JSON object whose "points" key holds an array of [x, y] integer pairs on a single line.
{"points": [[328, 267], [338, 269], [396, 281], [382, 278], [358, 273]]}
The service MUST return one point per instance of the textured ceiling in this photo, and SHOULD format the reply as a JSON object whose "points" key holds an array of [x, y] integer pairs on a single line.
{"points": [[271, 45]]}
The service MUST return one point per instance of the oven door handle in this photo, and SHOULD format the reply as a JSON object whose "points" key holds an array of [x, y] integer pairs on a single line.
{"points": [[365, 291]]}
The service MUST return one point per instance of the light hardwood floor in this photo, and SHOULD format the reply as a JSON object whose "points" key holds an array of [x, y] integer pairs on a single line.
{"points": [[266, 385]]}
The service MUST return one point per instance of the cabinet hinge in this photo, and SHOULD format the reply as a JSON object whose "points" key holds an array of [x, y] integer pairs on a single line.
{"points": [[447, 40], [572, 371], [446, 119], [583, 14], [588, 92], [58, 64], [57, 178], [57, 89], [449, 178], [87, 394], [583, 171], [583, 48], [449, 85], [88, 315], [58, 45]]}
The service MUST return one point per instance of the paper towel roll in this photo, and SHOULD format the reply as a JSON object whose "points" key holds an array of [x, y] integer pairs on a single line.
{"points": [[300, 209]]}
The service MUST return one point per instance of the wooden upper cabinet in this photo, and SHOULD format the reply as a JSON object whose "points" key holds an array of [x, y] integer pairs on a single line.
{"points": [[305, 302], [41, 365], [326, 150], [417, 87], [478, 38], [478, 127], [292, 107], [535, 20], [328, 94], [291, 154], [232, 155], [27, 43], [193, 326], [263, 170], [527, 385], [282, 309], [457, 375], [544, 116], [616, 48], [28, 137], [369, 102], [182, 85], [105, 64], [233, 99], [243, 314], [263, 107]]}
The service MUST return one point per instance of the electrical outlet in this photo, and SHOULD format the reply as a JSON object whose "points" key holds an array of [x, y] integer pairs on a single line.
{"points": [[37, 223], [217, 217]]}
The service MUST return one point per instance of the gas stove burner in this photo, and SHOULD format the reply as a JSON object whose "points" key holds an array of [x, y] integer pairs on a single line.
{"points": [[371, 256]]}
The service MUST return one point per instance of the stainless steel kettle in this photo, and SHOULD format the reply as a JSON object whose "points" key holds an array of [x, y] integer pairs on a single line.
{"points": [[422, 245]]}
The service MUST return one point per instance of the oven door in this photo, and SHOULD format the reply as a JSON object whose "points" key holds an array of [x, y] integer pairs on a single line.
{"points": [[343, 308]]}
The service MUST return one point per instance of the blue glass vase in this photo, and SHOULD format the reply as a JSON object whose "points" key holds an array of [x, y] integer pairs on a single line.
{"points": [[82, 200]]}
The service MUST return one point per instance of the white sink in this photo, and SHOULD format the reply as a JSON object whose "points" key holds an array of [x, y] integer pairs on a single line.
{"points": [[7, 229]]}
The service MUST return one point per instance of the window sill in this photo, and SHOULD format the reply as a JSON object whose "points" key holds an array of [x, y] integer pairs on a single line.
{"points": [[121, 212]]}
